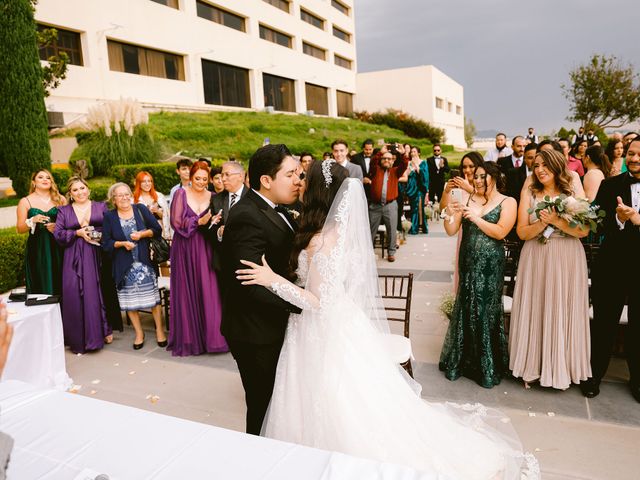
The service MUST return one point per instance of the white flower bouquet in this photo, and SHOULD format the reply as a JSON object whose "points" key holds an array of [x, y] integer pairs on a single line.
{"points": [[578, 212]]}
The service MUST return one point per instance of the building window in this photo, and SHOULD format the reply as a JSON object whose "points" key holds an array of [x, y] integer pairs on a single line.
{"points": [[340, 6], [225, 84], [342, 62], [317, 52], [439, 103], [215, 14], [458, 110], [279, 93], [168, 3], [274, 36], [281, 4], [345, 103], [67, 42], [144, 61], [449, 107], [317, 99], [341, 34], [312, 19]]}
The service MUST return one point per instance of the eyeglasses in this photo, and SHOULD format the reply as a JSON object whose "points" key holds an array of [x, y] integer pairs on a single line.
{"points": [[122, 195], [387, 158]]}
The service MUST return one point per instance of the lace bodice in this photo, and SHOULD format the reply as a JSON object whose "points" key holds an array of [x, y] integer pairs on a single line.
{"points": [[303, 268]]}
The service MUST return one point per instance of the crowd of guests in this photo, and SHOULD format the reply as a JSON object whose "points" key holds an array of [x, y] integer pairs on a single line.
{"points": [[551, 339]]}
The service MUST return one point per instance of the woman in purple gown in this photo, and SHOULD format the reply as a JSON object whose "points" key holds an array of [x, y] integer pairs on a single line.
{"points": [[195, 298], [77, 230]]}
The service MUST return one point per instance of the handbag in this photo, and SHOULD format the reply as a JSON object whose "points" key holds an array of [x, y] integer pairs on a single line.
{"points": [[159, 248]]}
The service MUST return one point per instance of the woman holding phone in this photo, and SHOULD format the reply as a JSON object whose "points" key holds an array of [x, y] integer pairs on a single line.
{"points": [[460, 186], [476, 345], [195, 297]]}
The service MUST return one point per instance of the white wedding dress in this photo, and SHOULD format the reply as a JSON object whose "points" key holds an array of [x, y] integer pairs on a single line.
{"points": [[338, 389]]}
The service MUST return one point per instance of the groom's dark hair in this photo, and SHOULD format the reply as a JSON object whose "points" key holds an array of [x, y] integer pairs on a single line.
{"points": [[266, 161]]}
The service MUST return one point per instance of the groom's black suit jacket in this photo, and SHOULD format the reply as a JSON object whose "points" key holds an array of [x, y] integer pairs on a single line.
{"points": [[220, 202], [252, 313]]}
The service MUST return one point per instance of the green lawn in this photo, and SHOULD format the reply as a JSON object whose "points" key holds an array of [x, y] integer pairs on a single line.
{"points": [[221, 135]]}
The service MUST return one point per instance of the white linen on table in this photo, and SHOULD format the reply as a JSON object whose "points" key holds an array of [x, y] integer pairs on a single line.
{"points": [[58, 435], [36, 354]]}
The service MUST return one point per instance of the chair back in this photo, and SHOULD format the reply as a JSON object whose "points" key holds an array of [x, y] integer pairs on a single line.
{"points": [[396, 290]]}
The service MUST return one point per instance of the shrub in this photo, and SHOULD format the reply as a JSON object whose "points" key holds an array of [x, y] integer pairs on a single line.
{"points": [[73, 161], [23, 129], [117, 149], [410, 125], [61, 177], [12, 250]]}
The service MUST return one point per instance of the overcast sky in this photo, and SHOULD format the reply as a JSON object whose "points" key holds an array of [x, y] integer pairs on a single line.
{"points": [[510, 56]]}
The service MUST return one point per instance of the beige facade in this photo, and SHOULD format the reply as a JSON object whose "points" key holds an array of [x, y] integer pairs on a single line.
{"points": [[422, 91], [205, 54]]}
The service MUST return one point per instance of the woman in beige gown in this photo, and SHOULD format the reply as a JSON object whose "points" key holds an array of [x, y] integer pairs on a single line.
{"points": [[549, 334]]}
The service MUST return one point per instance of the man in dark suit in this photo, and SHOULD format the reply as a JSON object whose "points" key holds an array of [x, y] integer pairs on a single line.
{"points": [[615, 275], [254, 319], [514, 160], [516, 177], [363, 159], [438, 168], [234, 190]]}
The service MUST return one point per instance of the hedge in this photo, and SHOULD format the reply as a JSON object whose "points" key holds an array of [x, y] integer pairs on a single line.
{"points": [[164, 174], [12, 249]]}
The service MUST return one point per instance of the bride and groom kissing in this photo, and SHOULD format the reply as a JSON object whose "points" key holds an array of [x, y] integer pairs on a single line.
{"points": [[305, 324]]}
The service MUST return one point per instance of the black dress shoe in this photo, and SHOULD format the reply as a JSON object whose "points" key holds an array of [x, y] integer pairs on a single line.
{"points": [[138, 346], [590, 388], [635, 392]]}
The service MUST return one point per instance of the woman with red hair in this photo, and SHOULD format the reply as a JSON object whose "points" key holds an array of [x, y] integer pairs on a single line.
{"points": [[145, 193], [195, 298]]}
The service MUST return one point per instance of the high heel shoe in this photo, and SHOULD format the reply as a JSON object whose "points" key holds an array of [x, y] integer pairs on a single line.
{"points": [[138, 346], [162, 343]]}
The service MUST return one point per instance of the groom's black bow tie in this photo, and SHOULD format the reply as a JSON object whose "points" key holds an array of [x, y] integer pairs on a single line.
{"points": [[281, 209]]}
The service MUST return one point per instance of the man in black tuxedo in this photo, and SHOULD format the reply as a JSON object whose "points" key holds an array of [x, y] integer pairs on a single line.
{"points": [[514, 160], [363, 159], [517, 176], [438, 168], [615, 275], [233, 177], [254, 319]]}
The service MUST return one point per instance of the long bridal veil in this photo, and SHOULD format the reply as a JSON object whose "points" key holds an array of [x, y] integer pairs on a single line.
{"points": [[338, 388]]}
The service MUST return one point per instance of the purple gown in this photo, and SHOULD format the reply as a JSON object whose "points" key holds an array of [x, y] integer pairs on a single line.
{"points": [[195, 299], [84, 318]]}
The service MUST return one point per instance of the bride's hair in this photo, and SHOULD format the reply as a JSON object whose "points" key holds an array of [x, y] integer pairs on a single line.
{"points": [[316, 203]]}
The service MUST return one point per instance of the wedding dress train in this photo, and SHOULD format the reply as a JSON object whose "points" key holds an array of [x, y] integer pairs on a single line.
{"points": [[338, 389]]}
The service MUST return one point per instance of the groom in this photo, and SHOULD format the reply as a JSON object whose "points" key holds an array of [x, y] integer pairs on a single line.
{"points": [[254, 319]]}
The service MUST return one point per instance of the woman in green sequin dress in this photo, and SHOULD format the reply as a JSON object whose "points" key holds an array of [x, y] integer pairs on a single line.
{"points": [[37, 214], [476, 345]]}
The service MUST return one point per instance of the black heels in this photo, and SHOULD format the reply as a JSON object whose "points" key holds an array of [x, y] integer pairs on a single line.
{"points": [[138, 346], [162, 343]]}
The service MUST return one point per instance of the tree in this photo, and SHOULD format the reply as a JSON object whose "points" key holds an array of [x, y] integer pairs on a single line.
{"points": [[603, 93], [56, 68], [469, 131], [24, 140]]}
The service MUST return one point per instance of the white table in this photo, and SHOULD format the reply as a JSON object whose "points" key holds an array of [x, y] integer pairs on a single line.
{"points": [[61, 435], [36, 354]]}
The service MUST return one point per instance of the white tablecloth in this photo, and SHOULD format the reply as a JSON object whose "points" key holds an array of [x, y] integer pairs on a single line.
{"points": [[36, 354], [60, 435]]}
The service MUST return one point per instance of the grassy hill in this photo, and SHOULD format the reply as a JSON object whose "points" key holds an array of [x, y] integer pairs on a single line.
{"points": [[221, 135]]}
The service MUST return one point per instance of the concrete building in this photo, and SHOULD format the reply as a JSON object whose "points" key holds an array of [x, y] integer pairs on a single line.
{"points": [[422, 91], [288, 55]]}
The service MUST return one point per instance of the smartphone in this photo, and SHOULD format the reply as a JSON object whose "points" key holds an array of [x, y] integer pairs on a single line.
{"points": [[456, 195]]}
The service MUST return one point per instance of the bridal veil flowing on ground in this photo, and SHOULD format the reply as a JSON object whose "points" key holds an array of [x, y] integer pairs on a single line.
{"points": [[338, 389]]}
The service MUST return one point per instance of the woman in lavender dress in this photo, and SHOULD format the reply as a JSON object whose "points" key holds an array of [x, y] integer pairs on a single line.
{"points": [[195, 298], [77, 227]]}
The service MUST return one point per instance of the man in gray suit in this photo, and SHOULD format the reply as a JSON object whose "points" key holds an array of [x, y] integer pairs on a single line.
{"points": [[340, 150]]}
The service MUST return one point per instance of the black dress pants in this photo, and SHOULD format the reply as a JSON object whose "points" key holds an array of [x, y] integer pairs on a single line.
{"points": [[257, 364]]}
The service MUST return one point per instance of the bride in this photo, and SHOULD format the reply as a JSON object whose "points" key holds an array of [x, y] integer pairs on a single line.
{"points": [[336, 386]]}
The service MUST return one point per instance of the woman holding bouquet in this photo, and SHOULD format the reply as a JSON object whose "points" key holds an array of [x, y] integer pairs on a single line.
{"points": [[549, 334], [476, 345]]}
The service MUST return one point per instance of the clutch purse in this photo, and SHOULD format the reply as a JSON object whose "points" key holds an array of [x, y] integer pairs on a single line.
{"points": [[18, 295], [41, 300]]}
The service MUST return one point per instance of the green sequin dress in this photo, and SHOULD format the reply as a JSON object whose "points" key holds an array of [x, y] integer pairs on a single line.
{"points": [[476, 345], [43, 258]]}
